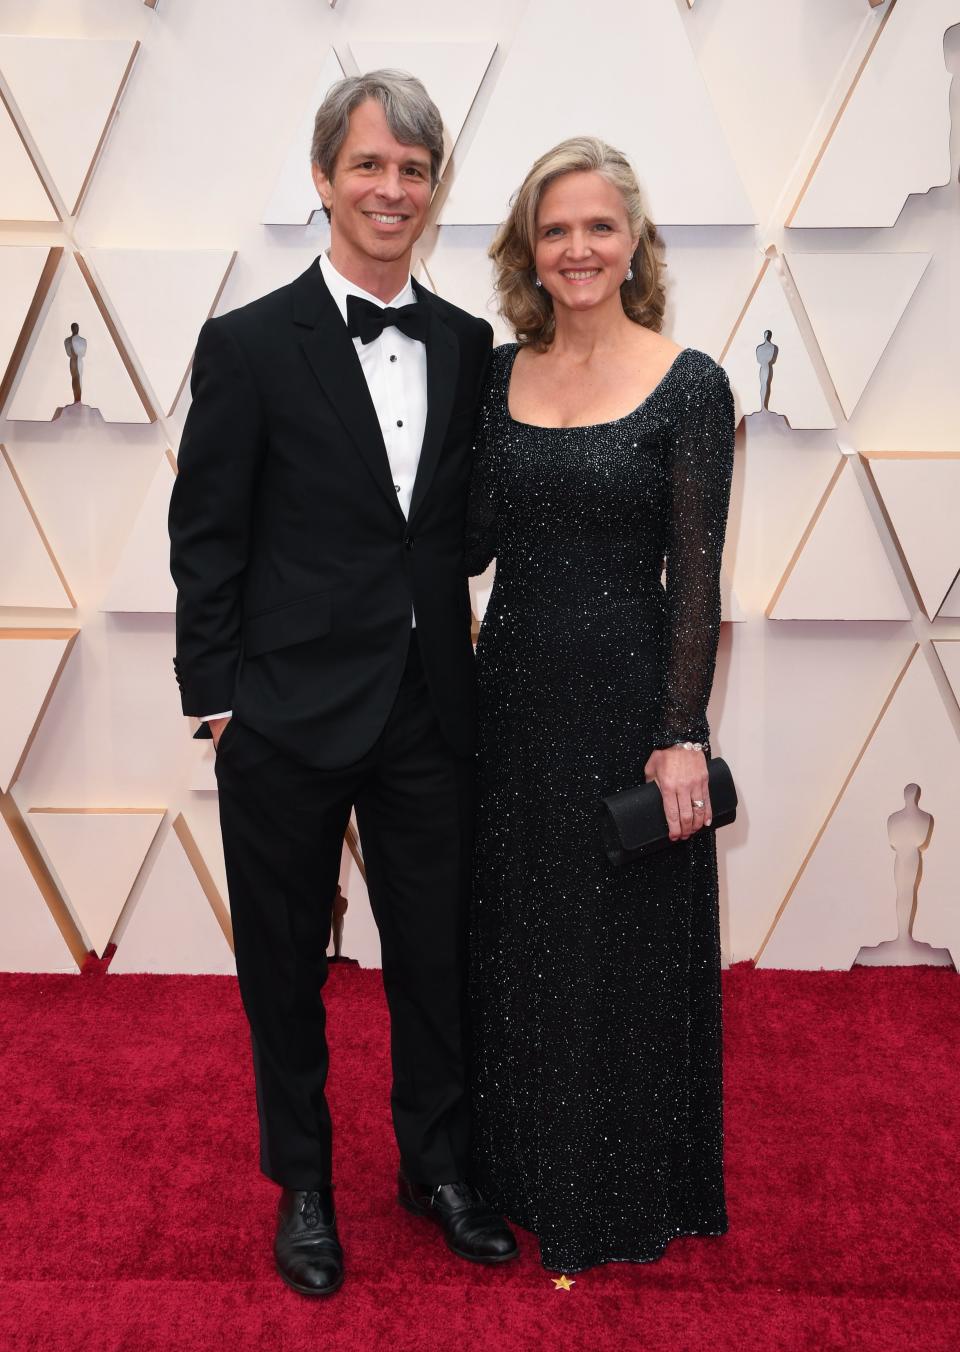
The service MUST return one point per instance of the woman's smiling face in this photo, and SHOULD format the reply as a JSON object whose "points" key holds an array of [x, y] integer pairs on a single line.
{"points": [[583, 243]]}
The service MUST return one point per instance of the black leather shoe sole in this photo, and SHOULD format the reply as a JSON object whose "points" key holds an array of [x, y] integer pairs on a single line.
{"points": [[308, 1290], [429, 1214]]}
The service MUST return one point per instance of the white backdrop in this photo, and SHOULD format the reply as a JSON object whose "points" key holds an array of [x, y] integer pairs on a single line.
{"points": [[741, 115]]}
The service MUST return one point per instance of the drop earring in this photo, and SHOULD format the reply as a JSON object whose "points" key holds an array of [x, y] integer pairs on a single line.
{"points": [[537, 281], [629, 276]]}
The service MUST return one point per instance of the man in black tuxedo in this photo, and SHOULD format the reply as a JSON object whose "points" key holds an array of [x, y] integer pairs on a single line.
{"points": [[323, 636]]}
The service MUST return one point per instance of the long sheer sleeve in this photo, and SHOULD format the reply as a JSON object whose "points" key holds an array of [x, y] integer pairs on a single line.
{"points": [[700, 471], [483, 501]]}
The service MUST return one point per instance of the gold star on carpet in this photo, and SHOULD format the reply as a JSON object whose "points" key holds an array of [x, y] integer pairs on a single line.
{"points": [[562, 1283]]}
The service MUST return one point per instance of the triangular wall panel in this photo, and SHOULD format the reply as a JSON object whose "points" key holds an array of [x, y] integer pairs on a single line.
{"points": [[46, 885], [706, 283], [950, 610], [839, 570], [215, 894], [361, 939], [29, 938], [31, 662], [141, 580], [44, 387], [172, 927], [96, 853], [558, 85], [730, 607], [203, 775], [452, 72], [780, 478], [294, 198], [160, 298], [457, 269], [422, 275], [892, 137], [25, 275], [65, 91], [795, 389], [22, 194], [922, 496], [948, 651], [844, 896], [29, 573], [855, 302]]}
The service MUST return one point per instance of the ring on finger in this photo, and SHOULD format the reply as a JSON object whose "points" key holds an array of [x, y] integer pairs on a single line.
{"points": [[697, 803]]}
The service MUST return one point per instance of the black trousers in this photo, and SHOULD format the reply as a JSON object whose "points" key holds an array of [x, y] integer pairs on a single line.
{"points": [[283, 825]]}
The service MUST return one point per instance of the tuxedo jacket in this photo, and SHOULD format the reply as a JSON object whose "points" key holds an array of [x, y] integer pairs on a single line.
{"points": [[296, 570]]}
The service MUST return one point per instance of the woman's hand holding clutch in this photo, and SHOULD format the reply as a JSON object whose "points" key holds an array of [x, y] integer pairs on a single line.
{"points": [[681, 776]]}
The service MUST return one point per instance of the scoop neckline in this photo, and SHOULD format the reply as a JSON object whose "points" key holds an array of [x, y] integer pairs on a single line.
{"points": [[586, 427]]}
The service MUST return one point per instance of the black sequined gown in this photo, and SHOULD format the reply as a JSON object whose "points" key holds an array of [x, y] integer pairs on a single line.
{"points": [[595, 992]]}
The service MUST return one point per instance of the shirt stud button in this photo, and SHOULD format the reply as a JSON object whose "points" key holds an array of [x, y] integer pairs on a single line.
{"points": [[399, 422], [393, 356]]}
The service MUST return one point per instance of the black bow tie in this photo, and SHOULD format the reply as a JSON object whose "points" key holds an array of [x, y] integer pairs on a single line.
{"points": [[367, 321]]}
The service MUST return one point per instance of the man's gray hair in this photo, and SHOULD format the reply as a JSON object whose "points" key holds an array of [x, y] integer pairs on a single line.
{"points": [[411, 114]]}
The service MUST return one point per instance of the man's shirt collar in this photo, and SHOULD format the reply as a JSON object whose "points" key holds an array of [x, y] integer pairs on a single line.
{"points": [[340, 288]]}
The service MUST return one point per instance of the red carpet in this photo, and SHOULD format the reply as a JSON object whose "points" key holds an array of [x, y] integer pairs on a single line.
{"points": [[133, 1215]]}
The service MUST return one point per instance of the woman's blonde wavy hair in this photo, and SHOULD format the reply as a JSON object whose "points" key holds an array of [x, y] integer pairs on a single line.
{"points": [[527, 308]]}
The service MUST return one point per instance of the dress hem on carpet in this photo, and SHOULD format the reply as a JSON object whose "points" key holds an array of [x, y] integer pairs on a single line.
{"points": [[642, 1254]]}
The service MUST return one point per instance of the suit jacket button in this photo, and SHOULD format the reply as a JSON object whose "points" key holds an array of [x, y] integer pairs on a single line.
{"points": [[408, 542]]}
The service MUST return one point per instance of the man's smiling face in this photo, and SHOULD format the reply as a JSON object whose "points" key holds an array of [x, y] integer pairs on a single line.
{"points": [[378, 196]]}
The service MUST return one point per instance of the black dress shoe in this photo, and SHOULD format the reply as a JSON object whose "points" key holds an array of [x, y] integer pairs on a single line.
{"points": [[471, 1228], [307, 1249]]}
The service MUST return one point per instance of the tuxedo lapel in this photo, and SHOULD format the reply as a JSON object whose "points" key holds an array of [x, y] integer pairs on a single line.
{"points": [[443, 365], [333, 360]]}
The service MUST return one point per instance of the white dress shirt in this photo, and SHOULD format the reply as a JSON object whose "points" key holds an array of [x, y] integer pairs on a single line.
{"points": [[395, 369]]}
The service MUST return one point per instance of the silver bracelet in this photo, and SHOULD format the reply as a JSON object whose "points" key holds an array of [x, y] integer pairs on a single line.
{"points": [[693, 746]]}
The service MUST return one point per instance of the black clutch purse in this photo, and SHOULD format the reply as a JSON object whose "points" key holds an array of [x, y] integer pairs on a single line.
{"points": [[633, 824]]}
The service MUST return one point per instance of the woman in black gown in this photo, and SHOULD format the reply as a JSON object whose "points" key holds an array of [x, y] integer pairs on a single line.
{"points": [[604, 451]]}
